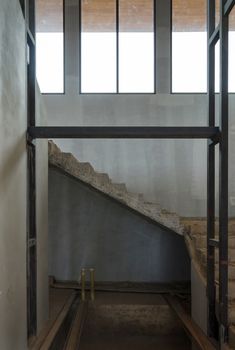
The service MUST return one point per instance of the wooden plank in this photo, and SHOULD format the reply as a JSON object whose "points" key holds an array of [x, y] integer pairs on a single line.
{"points": [[198, 335], [51, 335], [44, 342], [77, 327]]}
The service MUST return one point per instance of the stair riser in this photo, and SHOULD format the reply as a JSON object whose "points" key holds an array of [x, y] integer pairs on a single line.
{"points": [[201, 241]]}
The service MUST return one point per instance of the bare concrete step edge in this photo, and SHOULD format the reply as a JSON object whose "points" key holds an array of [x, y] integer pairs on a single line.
{"points": [[102, 182]]}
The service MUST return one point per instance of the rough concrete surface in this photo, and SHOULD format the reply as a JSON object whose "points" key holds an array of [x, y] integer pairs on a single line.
{"points": [[88, 229], [102, 182]]}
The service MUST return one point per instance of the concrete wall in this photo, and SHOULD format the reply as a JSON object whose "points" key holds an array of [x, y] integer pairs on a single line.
{"points": [[87, 229], [13, 165], [13, 185], [172, 173], [199, 298], [42, 219]]}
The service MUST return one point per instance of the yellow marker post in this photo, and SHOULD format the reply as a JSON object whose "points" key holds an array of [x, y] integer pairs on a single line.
{"points": [[83, 284], [92, 280]]}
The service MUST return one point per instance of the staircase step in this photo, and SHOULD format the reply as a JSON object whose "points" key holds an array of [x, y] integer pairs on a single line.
{"points": [[200, 226], [101, 181], [201, 254], [231, 271], [119, 187], [135, 200], [231, 290], [152, 209], [200, 241], [172, 218]]}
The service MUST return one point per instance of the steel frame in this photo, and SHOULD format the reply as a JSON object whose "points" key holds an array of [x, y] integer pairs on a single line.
{"points": [[217, 327], [127, 132], [28, 9]]}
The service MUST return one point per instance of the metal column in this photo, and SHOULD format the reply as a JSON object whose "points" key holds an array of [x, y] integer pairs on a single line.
{"points": [[215, 34], [29, 7], [212, 323]]}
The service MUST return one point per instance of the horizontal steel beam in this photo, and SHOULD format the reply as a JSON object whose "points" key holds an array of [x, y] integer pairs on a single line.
{"points": [[228, 7], [215, 36], [123, 132]]}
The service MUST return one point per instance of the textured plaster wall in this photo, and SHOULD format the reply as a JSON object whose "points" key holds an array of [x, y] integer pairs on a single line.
{"points": [[88, 230], [13, 165], [170, 172], [13, 186]]}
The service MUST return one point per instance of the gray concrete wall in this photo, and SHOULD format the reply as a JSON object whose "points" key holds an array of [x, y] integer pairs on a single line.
{"points": [[172, 173], [13, 165], [87, 229], [42, 219], [13, 185], [199, 298]]}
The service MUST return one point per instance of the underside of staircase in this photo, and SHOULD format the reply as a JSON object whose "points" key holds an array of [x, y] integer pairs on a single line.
{"points": [[193, 229]]}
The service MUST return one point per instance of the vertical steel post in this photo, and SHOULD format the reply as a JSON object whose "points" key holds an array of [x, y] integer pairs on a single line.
{"points": [[212, 325], [83, 284], [92, 282], [32, 231], [223, 177]]}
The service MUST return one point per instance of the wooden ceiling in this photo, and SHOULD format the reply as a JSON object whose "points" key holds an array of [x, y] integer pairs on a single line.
{"points": [[190, 15], [49, 15], [134, 15]]}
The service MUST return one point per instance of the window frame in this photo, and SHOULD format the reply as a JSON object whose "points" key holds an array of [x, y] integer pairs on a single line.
{"points": [[117, 55]]}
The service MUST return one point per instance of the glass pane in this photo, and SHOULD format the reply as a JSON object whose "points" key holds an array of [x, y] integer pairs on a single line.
{"points": [[98, 46], [217, 67], [136, 46], [50, 45], [189, 46]]}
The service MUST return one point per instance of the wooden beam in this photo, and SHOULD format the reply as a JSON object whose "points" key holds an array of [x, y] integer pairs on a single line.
{"points": [[77, 327], [198, 335], [57, 324]]}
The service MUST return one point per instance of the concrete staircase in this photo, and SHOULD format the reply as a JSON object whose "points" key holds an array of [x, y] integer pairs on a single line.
{"points": [[193, 229], [102, 182], [195, 238]]}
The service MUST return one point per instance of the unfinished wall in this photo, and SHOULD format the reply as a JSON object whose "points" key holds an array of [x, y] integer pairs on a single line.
{"points": [[173, 173], [13, 166], [42, 219], [87, 229], [13, 185]]}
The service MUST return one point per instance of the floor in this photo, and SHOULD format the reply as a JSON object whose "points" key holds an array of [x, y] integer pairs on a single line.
{"points": [[136, 343], [125, 321]]}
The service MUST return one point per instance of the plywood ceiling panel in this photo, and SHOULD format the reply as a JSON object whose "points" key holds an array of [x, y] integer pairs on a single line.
{"points": [[135, 15]]}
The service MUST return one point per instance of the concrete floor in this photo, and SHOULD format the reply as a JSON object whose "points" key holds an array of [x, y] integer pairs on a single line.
{"points": [[132, 321], [136, 343]]}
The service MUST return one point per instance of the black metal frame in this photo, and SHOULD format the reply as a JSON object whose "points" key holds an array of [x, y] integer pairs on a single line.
{"points": [[217, 327], [117, 55], [124, 132], [28, 7]]}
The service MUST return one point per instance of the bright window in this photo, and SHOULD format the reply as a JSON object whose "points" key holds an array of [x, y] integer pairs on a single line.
{"points": [[117, 46], [189, 49], [50, 46]]}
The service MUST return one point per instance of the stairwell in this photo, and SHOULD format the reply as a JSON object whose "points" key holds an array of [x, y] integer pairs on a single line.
{"points": [[193, 229]]}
